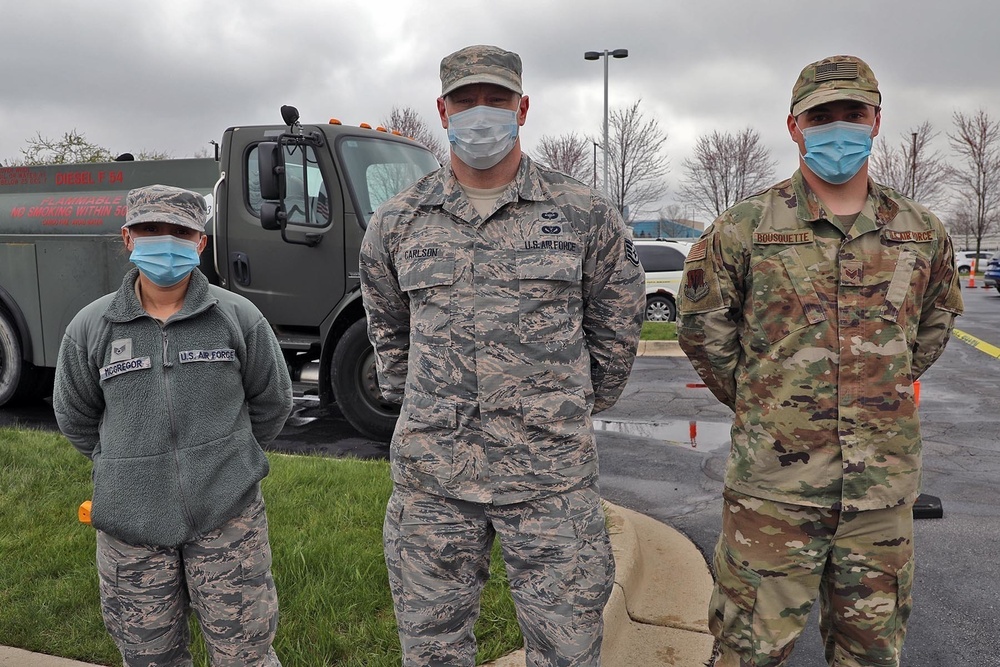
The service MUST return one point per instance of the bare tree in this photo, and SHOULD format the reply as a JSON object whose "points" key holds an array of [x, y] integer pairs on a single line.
{"points": [[726, 168], [637, 164], [409, 123], [71, 148], [976, 140], [912, 168], [568, 153]]}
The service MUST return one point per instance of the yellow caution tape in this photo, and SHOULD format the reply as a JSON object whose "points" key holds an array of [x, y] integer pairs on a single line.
{"points": [[980, 345]]}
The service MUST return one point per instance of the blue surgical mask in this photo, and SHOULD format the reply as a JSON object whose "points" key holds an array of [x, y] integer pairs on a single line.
{"points": [[165, 260], [835, 151], [482, 136]]}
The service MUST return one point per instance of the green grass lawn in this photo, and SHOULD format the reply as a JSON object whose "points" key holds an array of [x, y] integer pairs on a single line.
{"points": [[325, 519], [659, 331]]}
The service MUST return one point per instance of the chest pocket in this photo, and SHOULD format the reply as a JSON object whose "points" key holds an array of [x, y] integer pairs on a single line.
{"points": [[783, 295], [550, 298], [429, 284]]}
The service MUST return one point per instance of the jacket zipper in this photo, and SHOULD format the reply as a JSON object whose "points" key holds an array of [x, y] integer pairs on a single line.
{"points": [[173, 425]]}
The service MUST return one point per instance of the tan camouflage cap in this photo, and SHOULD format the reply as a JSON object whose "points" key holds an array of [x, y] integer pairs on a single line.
{"points": [[481, 64], [165, 203], [835, 78]]}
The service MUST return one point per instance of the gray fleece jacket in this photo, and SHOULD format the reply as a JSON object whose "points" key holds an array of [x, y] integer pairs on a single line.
{"points": [[172, 415]]}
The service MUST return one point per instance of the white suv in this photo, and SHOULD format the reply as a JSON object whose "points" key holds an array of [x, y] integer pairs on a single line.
{"points": [[663, 262], [965, 258]]}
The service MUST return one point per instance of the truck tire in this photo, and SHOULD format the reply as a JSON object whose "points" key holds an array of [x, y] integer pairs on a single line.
{"points": [[355, 385], [11, 363], [19, 381]]}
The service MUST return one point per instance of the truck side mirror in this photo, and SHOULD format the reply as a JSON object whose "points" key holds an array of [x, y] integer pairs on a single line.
{"points": [[272, 215], [272, 169]]}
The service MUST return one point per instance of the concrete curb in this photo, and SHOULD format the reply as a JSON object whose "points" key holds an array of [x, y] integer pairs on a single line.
{"points": [[657, 611], [659, 348]]}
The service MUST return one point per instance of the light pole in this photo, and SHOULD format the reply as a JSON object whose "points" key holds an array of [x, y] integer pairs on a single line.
{"points": [[595, 161], [594, 55]]}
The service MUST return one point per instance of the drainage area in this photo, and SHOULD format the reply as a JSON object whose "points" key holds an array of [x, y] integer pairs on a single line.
{"points": [[696, 435]]}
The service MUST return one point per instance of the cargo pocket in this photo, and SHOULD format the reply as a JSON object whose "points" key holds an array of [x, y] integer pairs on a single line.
{"points": [[557, 429], [730, 616], [549, 295], [783, 295], [429, 284], [427, 437]]}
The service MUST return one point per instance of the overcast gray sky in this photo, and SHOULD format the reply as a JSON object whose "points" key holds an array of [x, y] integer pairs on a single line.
{"points": [[171, 76]]}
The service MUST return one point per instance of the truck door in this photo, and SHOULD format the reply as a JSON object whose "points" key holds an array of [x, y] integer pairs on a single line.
{"points": [[295, 285]]}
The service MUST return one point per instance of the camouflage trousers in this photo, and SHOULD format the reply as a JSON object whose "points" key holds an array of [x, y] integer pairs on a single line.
{"points": [[147, 593], [773, 560], [559, 564]]}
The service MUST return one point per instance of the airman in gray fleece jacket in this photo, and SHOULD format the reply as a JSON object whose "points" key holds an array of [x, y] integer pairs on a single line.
{"points": [[170, 385]]}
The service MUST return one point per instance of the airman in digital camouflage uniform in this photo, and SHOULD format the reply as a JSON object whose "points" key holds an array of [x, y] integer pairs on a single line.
{"points": [[504, 302], [810, 309]]}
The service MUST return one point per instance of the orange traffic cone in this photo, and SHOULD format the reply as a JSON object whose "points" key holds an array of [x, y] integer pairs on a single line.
{"points": [[916, 393], [972, 274]]}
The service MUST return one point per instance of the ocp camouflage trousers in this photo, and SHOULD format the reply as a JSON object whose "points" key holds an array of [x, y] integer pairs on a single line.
{"points": [[147, 594], [559, 564], [772, 561]]}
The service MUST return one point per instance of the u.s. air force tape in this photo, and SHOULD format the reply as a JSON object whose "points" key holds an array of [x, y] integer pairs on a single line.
{"points": [[191, 356]]}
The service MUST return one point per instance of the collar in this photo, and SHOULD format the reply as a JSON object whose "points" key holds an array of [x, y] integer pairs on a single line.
{"points": [[878, 211], [445, 192], [125, 305]]}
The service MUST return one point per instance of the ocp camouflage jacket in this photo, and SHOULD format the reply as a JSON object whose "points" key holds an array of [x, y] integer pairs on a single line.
{"points": [[814, 335]]}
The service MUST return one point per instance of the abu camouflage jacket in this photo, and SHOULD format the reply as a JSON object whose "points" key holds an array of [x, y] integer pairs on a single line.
{"points": [[500, 336], [814, 334]]}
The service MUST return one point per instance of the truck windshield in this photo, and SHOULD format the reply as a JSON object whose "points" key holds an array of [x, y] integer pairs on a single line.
{"points": [[378, 169]]}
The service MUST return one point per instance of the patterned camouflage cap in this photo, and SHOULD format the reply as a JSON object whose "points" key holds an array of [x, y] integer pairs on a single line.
{"points": [[835, 78], [165, 203], [481, 64]]}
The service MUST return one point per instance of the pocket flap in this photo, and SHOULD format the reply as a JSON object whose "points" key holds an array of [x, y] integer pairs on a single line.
{"points": [[432, 410], [535, 265], [552, 407]]}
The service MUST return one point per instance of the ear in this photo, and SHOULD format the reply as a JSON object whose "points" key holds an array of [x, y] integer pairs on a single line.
{"points": [[878, 123], [202, 242], [793, 128], [126, 239], [442, 112], [522, 110]]}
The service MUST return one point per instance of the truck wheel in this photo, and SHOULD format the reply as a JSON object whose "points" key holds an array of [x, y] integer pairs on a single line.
{"points": [[11, 363], [355, 385]]}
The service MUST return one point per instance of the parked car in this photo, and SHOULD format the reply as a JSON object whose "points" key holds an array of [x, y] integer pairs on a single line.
{"points": [[991, 276], [663, 262], [965, 258]]}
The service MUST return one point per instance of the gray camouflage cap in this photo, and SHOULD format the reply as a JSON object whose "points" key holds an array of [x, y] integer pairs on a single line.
{"points": [[481, 64], [165, 203], [835, 78]]}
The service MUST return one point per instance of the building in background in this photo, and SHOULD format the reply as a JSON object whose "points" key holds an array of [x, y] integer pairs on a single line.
{"points": [[662, 228]]}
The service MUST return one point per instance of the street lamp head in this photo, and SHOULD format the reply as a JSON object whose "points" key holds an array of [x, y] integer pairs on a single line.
{"points": [[620, 53], [592, 55]]}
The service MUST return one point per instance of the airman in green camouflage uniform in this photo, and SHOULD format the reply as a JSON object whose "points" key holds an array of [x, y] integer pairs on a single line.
{"points": [[810, 309], [504, 302]]}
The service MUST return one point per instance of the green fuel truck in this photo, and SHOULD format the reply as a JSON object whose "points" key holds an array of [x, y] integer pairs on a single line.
{"points": [[289, 205]]}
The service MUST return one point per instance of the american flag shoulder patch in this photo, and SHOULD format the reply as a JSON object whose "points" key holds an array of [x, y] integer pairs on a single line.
{"points": [[832, 71], [698, 251]]}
